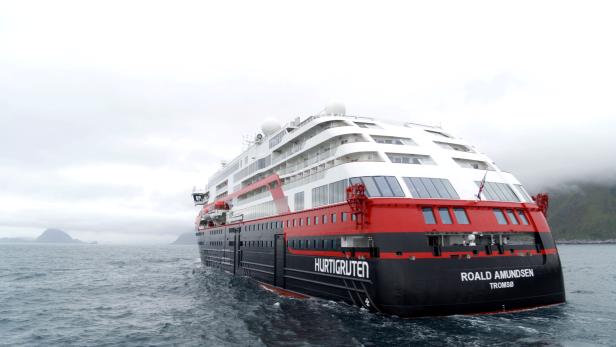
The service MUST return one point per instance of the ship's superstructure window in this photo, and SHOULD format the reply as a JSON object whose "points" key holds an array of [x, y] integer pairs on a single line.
{"points": [[329, 193], [522, 217], [403, 158], [500, 217], [221, 195], [461, 216], [337, 191], [430, 188], [254, 167], [320, 196], [498, 191], [438, 133], [277, 138], [473, 164], [512, 218], [225, 171], [367, 125], [523, 192], [428, 215], [445, 216], [299, 201], [379, 186], [454, 146], [391, 140]]}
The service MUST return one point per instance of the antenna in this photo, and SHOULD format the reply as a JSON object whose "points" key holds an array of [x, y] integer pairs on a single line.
{"points": [[247, 141]]}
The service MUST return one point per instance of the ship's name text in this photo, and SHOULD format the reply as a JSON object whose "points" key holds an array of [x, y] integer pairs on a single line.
{"points": [[496, 275], [344, 267]]}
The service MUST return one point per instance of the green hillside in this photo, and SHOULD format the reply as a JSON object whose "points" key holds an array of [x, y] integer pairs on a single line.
{"points": [[583, 211]]}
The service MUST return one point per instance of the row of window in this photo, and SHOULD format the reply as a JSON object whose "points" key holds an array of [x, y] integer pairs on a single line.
{"points": [[456, 215], [216, 232], [517, 217], [327, 244], [263, 226], [405, 158], [315, 220], [216, 243], [257, 244]]}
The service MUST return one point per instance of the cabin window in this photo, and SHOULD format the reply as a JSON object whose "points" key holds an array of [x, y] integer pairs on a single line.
{"points": [[497, 191], [300, 221], [316, 219], [324, 219], [294, 222], [430, 188], [343, 216], [500, 217], [511, 216], [428, 215], [308, 220], [461, 216], [333, 218], [443, 212], [522, 217]]}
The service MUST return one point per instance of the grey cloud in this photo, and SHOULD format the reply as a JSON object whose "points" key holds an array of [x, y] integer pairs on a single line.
{"points": [[491, 89]]}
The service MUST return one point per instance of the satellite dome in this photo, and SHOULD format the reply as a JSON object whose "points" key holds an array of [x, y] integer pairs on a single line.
{"points": [[335, 109], [270, 126]]}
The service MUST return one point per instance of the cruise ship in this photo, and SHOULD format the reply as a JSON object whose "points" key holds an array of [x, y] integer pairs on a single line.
{"points": [[400, 218]]}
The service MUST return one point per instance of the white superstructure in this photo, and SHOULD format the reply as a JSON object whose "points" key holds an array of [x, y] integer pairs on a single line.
{"points": [[318, 157]]}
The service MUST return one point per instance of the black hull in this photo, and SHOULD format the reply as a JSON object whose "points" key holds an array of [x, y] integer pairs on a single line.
{"points": [[407, 287]]}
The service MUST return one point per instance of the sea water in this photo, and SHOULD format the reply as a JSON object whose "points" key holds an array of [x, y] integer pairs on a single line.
{"points": [[76, 295]]}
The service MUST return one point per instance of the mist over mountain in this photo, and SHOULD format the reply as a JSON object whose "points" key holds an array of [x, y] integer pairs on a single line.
{"points": [[583, 211]]}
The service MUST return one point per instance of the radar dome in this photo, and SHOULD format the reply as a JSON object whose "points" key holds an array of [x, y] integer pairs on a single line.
{"points": [[335, 108], [270, 126]]}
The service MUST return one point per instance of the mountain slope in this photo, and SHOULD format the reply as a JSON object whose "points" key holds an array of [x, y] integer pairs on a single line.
{"points": [[56, 236], [583, 211], [186, 239]]}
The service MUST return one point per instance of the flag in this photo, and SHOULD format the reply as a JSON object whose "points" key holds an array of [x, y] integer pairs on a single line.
{"points": [[483, 183]]}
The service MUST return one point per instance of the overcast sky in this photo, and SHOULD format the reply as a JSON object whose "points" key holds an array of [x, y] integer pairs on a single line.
{"points": [[110, 111]]}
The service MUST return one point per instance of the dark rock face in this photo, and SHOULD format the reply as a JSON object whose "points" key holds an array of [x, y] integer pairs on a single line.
{"points": [[186, 239], [55, 235]]}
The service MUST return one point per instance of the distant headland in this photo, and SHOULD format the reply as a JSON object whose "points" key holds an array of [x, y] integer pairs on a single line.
{"points": [[186, 239], [50, 235]]}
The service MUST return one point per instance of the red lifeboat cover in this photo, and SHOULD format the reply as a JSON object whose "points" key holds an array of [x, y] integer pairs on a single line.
{"points": [[221, 205]]}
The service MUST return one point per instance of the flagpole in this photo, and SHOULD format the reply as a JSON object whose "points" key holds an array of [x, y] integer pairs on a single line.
{"points": [[483, 182]]}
